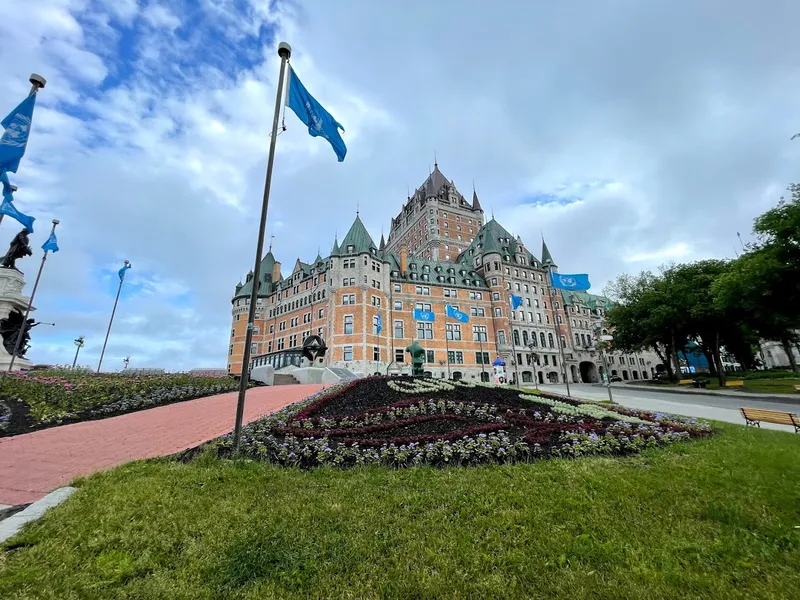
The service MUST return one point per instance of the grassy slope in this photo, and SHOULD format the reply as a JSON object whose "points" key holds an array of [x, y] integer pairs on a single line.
{"points": [[709, 519]]}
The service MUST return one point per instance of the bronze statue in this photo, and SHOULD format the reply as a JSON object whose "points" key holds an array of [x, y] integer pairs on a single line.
{"points": [[18, 248], [417, 353], [12, 327]]}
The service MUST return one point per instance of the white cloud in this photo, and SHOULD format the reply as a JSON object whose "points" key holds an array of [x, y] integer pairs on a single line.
{"points": [[159, 15], [150, 140]]}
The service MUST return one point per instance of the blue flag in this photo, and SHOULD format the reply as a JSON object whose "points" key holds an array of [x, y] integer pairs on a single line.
{"points": [[8, 208], [378, 324], [579, 282], [516, 302], [122, 271], [424, 315], [17, 127], [456, 314], [51, 244], [309, 111]]}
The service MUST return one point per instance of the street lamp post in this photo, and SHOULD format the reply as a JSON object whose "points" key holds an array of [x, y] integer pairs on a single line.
{"points": [[606, 338], [483, 362], [535, 357], [79, 342]]}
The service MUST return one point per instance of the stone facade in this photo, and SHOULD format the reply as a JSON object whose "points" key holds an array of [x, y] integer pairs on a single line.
{"points": [[345, 296]]}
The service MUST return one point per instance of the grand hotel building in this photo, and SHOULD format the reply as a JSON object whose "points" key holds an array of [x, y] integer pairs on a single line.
{"points": [[440, 251]]}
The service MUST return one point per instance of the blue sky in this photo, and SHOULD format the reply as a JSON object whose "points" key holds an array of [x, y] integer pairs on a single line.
{"points": [[626, 144]]}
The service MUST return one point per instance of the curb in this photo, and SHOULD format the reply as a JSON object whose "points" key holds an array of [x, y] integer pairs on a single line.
{"points": [[10, 527], [702, 392]]}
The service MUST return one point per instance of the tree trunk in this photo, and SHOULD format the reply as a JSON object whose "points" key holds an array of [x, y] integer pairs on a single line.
{"points": [[718, 362], [667, 361], [675, 355], [787, 347]]}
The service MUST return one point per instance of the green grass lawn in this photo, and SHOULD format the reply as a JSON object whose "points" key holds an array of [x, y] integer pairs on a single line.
{"points": [[718, 518]]}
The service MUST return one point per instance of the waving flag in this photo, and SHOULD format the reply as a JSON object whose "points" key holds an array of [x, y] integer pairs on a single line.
{"points": [[456, 314], [424, 315], [51, 244], [309, 111], [579, 282], [378, 324], [516, 302], [8, 208], [17, 127], [122, 271]]}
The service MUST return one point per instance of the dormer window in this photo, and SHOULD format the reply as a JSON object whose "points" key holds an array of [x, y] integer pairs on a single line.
{"points": [[351, 248]]}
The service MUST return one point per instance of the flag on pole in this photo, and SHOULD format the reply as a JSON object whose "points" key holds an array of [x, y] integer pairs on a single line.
{"points": [[579, 282], [17, 127], [424, 315], [309, 111], [516, 302], [51, 244], [8, 208], [456, 314], [122, 271]]}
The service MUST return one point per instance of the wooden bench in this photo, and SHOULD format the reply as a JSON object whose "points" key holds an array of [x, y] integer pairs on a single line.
{"points": [[754, 416], [797, 388], [735, 383], [685, 382]]}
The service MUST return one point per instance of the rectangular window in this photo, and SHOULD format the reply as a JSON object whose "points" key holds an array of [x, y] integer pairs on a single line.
{"points": [[501, 337], [280, 343], [397, 287], [320, 313], [398, 329], [347, 353], [376, 301], [538, 317], [295, 320], [498, 312], [479, 333], [450, 293], [424, 330], [495, 296], [398, 305], [376, 354], [376, 284], [399, 356], [348, 324], [429, 357], [269, 346], [375, 320], [282, 326], [422, 306], [293, 341], [230, 350], [453, 331], [476, 296], [477, 311], [233, 332], [423, 291], [482, 358]]}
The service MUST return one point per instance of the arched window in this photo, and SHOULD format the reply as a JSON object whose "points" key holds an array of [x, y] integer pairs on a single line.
{"points": [[516, 337], [525, 337], [544, 342], [550, 340]]}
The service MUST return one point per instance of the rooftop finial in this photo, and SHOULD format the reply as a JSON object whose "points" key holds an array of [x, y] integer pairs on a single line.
{"points": [[435, 162], [272, 237], [357, 208]]}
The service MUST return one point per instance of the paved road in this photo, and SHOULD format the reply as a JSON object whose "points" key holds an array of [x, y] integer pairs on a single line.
{"points": [[720, 408], [33, 464]]}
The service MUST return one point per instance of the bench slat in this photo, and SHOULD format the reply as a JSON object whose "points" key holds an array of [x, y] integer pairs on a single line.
{"points": [[770, 416]]}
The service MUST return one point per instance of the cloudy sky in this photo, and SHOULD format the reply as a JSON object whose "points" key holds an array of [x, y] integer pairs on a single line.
{"points": [[631, 133]]}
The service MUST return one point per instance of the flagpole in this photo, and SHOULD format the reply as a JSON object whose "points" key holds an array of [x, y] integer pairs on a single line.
{"points": [[513, 345], [446, 343], [111, 320], [13, 190], [21, 333], [284, 51]]}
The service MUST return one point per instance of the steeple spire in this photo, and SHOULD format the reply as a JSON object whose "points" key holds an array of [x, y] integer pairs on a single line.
{"points": [[547, 258]]}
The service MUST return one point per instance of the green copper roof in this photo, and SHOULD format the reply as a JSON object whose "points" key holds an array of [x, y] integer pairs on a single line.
{"points": [[267, 285], [432, 272], [335, 250], [585, 298], [494, 238], [359, 238], [547, 259]]}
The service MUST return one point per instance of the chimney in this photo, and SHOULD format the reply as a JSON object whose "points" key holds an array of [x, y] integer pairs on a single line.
{"points": [[276, 272], [403, 259]]}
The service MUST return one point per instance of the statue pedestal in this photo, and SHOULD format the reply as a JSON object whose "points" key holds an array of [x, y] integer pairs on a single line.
{"points": [[11, 284]]}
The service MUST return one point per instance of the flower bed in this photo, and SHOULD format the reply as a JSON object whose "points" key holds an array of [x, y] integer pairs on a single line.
{"points": [[39, 399], [413, 421]]}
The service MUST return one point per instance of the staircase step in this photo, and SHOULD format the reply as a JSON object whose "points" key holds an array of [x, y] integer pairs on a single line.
{"points": [[285, 379]]}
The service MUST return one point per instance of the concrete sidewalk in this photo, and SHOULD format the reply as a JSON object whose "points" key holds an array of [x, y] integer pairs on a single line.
{"points": [[737, 394]]}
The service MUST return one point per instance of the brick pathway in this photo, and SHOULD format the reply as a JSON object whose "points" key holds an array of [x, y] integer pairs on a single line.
{"points": [[33, 464]]}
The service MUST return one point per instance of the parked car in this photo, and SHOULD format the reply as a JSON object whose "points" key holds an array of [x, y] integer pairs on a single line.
{"points": [[615, 378]]}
